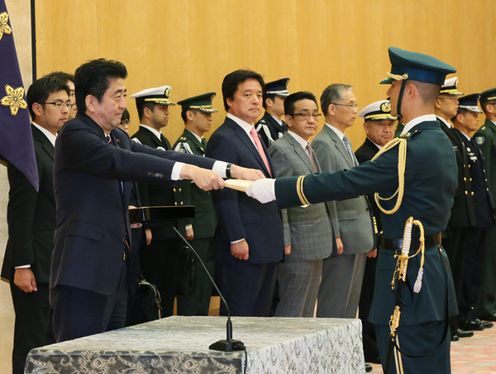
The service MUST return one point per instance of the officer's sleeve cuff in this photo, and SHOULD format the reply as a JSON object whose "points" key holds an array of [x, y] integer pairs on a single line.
{"points": [[219, 168]]}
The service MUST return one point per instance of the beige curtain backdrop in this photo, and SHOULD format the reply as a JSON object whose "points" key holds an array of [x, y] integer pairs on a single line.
{"points": [[192, 44]]}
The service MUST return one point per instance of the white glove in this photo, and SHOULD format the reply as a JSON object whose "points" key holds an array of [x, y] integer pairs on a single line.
{"points": [[262, 190]]}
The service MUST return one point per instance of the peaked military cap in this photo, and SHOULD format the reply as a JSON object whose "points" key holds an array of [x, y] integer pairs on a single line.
{"points": [[278, 87], [202, 103], [450, 87], [377, 111], [469, 102], [417, 66], [488, 95], [158, 95]]}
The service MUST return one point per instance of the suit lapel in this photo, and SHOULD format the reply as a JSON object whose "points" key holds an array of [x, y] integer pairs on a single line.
{"points": [[44, 142], [339, 146], [299, 150], [245, 139], [194, 141]]}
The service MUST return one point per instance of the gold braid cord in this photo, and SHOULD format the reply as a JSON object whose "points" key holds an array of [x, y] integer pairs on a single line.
{"points": [[401, 142]]}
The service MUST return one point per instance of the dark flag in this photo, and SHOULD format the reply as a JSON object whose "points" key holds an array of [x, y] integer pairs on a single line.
{"points": [[16, 139]]}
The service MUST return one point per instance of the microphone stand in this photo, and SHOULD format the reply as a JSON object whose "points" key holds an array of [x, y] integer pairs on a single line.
{"points": [[229, 344]]}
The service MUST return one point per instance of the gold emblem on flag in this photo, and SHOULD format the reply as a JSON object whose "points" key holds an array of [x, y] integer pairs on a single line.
{"points": [[14, 99], [4, 24]]}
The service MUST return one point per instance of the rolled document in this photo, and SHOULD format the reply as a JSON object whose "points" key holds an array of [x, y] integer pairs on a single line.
{"points": [[237, 184]]}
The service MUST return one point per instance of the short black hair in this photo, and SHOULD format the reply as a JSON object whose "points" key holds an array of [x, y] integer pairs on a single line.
{"points": [[289, 102], [92, 78], [141, 105], [39, 91], [267, 96], [62, 75], [234, 79], [332, 93]]}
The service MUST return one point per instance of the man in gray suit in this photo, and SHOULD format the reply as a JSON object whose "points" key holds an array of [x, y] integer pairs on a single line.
{"points": [[307, 230], [342, 272]]}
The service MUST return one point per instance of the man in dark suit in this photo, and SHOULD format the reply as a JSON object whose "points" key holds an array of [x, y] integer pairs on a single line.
{"points": [[162, 262], [88, 277], [271, 127], [486, 139], [308, 232], [31, 221], [249, 239], [196, 113], [420, 170], [379, 126]]}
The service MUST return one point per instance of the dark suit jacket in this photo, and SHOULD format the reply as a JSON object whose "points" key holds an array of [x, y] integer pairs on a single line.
{"points": [[269, 129], [31, 215], [486, 139], [92, 218], [205, 220], [239, 215], [154, 194]]}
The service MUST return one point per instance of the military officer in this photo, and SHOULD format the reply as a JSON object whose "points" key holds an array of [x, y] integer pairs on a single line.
{"points": [[271, 127], [196, 113], [162, 262], [486, 139], [412, 177], [462, 212], [466, 124]]}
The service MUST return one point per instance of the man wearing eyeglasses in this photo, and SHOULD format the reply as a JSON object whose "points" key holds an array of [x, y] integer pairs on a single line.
{"points": [[31, 221], [307, 229], [342, 273]]}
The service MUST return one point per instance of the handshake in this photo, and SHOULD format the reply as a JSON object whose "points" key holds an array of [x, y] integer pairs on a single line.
{"points": [[250, 181]]}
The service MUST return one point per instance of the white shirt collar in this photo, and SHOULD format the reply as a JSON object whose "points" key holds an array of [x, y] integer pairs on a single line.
{"points": [[152, 130], [414, 122], [241, 123], [465, 135], [494, 123], [47, 133], [374, 143], [299, 139], [199, 138], [447, 123], [278, 120], [337, 131]]}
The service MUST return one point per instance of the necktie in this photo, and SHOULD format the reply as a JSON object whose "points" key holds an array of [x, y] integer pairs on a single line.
{"points": [[164, 142], [204, 143], [347, 145], [311, 156], [108, 139], [258, 145]]}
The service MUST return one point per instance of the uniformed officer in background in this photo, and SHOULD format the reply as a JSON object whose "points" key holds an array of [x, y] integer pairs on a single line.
{"points": [[486, 139], [163, 261], [196, 113], [271, 127], [415, 176]]}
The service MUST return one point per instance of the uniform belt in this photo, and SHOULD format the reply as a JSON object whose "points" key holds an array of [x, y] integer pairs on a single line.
{"points": [[430, 241]]}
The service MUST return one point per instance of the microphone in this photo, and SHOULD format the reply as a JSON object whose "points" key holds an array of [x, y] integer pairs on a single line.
{"points": [[229, 344]]}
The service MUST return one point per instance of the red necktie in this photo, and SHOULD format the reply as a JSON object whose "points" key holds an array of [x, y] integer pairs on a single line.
{"points": [[258, 145]]}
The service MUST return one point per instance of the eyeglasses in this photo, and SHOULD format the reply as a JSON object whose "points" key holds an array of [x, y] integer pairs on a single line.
{"points": [[350, 106], [307, 115], [60, 104]]}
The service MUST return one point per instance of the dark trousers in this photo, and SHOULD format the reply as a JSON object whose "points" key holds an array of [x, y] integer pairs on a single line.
{"points": [[78, 312], [487, 293], [197, 302], [162, 265], [429, 340], [248, 288], [366, 295], [471, 279], [33, 323]]}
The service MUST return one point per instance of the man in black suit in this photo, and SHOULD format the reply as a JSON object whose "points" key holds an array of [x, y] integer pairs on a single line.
{"points": [[249, 240], [31, 221], [380, 127], [162, 262], [88, 277], [271, 127]]}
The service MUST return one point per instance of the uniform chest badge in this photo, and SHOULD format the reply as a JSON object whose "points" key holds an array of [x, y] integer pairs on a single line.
{"points": [[480, 140]]}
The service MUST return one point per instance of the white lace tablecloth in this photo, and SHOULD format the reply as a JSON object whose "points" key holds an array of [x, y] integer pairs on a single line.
{"points": [[180, 345]]}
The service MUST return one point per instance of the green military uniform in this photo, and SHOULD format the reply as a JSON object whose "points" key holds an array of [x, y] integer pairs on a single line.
{"points": [[204, 222], [164, 262], [486, 139], [430, 180]]}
